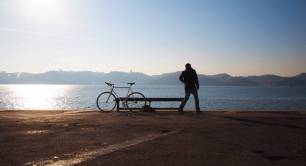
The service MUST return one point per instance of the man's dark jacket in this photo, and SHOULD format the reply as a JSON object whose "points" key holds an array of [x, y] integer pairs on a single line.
{"points": [[190, 79]]}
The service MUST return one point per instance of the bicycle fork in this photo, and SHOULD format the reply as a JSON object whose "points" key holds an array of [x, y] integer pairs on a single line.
{"points": [[111, 92]]}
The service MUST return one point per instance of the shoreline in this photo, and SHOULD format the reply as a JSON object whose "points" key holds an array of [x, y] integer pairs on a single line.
{"points": [[162, 110]]}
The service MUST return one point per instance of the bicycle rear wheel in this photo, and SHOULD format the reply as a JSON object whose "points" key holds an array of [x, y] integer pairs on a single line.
{"points": [[106, 101], [135, 101]]}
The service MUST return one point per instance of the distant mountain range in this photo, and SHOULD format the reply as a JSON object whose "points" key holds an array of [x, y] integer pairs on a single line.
{"points": [[89, 77]]}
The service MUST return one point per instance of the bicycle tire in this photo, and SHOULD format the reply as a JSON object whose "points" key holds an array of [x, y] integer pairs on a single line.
{"points": [[135, 105], [106, 101]]}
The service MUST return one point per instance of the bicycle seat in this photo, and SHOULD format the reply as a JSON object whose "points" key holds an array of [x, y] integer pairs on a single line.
{"points": [[109, 84], [131, 83]]}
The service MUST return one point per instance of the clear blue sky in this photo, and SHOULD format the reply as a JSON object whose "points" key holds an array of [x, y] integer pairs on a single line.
{"points": [[239, 37]]}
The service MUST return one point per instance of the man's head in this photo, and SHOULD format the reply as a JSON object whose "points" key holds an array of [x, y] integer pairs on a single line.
{"points": [[188, 66]]}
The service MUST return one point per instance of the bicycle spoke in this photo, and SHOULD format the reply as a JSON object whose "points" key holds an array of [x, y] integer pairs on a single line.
{"points": [[135, 101]]}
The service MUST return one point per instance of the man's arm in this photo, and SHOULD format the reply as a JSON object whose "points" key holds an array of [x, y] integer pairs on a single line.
{"points": [[181, 78], [196, 80]]}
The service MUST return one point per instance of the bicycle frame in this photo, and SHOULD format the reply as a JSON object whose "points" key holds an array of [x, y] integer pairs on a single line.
{"points": [[113, 87], [121, 87]]}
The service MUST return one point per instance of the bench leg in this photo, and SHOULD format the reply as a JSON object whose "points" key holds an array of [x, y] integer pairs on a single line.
{"points": [[117, 104]]}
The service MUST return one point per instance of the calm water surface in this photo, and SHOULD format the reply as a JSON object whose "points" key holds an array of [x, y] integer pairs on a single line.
{"points": [[53, 97]]}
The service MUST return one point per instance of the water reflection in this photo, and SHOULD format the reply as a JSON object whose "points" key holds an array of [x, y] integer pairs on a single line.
{"points": [[35, 96], [67, 97]]}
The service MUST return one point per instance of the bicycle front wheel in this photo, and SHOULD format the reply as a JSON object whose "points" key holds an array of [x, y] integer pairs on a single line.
{"points": [[136, 101], [106, 101]]}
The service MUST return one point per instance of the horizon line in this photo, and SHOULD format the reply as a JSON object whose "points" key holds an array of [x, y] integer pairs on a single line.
{"points": [[60, 70]]}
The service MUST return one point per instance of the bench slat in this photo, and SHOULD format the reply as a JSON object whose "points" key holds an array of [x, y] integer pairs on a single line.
{"points": [[150, 99]]}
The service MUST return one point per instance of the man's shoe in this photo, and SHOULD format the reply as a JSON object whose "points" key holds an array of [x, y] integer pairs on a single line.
{"points": [[180, 110], [198, 111]]}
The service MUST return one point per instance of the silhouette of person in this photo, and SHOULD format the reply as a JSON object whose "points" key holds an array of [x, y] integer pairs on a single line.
{"points": [[190, 79]]}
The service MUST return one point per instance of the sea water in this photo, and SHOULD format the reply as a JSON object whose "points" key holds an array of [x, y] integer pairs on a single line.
{"points": [[64, 97]]}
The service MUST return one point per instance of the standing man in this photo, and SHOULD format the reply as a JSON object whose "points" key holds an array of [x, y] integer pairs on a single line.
{"points": [[190, 79]]}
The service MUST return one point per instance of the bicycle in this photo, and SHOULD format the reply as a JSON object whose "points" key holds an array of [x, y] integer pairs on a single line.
{"points": [[106, 101]]}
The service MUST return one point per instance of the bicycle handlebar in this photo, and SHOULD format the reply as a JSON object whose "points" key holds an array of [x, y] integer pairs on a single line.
{"points": [[109, 84]]}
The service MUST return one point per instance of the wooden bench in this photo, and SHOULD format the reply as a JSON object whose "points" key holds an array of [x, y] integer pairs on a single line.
{"points": [[151, 99]]}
